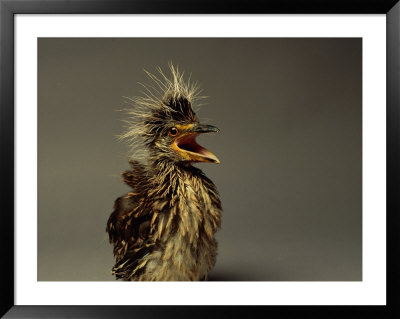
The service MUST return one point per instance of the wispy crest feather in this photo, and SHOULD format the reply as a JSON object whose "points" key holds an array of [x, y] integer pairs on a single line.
{"points": [[160, 102]]}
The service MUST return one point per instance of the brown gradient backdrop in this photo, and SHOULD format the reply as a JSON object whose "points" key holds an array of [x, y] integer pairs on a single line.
{"points": [[289, 111]]}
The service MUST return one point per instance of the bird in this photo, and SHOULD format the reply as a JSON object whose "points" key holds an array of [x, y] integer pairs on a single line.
{"points": [[164, 228]]}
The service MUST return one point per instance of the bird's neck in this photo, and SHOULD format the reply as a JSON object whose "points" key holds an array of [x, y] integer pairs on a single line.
{"points": [[162, 167], [189, 193], [166, 174]]}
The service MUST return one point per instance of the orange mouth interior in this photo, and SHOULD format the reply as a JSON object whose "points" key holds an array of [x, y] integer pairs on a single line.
{"points": [[191, 150]]}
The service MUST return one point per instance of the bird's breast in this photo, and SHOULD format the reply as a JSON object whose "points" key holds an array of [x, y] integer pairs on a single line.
{"points": [[185, 233]]}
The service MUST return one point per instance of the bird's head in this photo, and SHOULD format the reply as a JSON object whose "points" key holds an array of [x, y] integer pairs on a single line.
{"points": [[164, 122]]}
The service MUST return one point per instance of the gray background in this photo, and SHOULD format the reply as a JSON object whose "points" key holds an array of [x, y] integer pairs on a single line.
{"points": [[289, 111]]}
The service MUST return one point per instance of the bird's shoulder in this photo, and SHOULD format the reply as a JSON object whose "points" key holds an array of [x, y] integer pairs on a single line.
{"points": [[136, 176]]}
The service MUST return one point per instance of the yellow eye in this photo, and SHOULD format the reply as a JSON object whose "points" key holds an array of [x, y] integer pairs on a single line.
{"points": [[173, 131]]}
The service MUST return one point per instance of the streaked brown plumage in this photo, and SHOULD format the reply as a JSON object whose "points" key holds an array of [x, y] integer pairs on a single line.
{"points": [[164, 228]]}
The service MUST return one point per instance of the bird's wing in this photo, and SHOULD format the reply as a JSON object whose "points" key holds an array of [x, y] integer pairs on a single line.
{"points": [[129, 224]]}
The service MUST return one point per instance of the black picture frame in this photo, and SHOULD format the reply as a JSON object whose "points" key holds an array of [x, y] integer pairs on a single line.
{"points": [[8, 10]]}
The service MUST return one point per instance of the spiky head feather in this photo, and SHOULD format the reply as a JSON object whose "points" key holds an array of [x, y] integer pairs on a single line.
{"points": [[164, 103]]}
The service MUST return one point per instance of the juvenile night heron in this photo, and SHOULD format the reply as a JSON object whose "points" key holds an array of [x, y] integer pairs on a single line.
{"points": [[163, 229]]}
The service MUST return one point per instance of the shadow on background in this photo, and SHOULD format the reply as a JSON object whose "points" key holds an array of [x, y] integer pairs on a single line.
{"points": [[241, 275], [219, 276]]}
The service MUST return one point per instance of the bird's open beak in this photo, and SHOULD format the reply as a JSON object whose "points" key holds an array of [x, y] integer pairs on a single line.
{"points": [[187, 146]]}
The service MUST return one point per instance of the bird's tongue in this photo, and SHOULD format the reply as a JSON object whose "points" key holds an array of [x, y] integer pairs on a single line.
{"points": [[195, 151]]}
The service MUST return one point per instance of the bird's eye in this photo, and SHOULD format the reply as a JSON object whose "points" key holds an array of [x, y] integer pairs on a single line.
{"points": [[173, 131]]}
